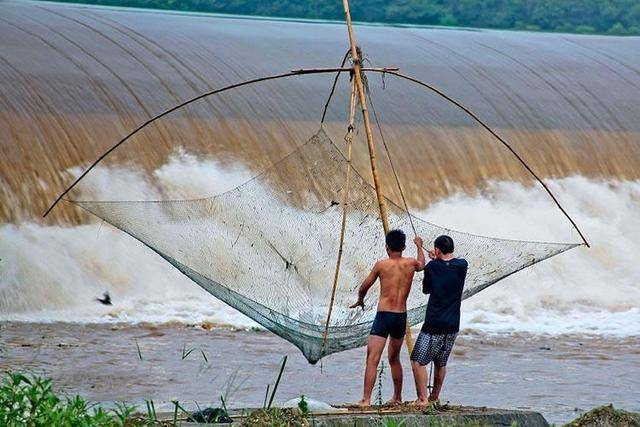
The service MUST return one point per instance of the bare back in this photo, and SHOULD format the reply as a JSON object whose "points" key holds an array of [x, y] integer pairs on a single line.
{"points": [[396, 276]]}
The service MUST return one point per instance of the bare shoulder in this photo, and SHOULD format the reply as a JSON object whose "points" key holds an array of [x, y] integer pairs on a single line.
{"points": [[409, 260], [413, 264], [378, 265], [382, 265]]}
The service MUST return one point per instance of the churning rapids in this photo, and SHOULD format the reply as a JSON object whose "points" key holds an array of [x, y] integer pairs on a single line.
{"points": [[52, 273]]}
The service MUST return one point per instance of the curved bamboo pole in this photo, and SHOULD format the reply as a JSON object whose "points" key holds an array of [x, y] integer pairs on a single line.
{"points": [[495, 135], [190, 101]]}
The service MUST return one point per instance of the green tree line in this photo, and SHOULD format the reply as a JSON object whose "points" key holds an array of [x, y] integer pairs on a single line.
{"points": [[615, 17]]}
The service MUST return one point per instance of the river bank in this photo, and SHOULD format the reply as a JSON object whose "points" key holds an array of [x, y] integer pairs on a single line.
{"points": [[560, 376]]}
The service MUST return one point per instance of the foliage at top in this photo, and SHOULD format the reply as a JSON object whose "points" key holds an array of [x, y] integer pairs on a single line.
{"points": [[616, 17]]}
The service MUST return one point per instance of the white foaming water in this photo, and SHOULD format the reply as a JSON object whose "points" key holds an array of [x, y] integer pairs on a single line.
{"points": [[594, 290], [54, 273]]}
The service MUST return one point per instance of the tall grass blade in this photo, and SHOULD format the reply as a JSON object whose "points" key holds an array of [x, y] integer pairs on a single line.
{"points": [[275, 387], [230, 385], [151, 411], [185, 352], [139, 351], [266, 396], [224, 405], [175, 413], [179, 406]]}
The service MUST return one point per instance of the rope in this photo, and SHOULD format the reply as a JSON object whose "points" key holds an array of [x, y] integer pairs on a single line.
{"points": [[393, 167], [498, 137], [431, 381], [333, 87], [409, 337], [349, 139]]}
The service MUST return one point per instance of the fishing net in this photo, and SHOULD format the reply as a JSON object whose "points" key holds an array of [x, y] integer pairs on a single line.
{"points": [[268, 247]]}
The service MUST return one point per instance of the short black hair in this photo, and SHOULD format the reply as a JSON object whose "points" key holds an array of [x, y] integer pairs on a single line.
{"points": [[444, 243], [396, 240]]}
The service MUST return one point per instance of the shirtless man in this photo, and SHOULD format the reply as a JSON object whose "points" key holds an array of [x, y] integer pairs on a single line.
{"points": [[396, 275]]}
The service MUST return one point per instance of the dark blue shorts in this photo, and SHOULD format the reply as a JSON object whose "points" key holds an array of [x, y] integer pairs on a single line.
{"points": [[389, 323]]}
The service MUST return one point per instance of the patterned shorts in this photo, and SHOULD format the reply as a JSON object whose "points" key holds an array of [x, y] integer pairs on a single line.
{"points": [[434, 348]]}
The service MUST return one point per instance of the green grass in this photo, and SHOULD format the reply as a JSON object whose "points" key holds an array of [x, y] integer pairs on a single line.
{"points": [[29, 401], [276, 417], [606, 415], [303, 405]]}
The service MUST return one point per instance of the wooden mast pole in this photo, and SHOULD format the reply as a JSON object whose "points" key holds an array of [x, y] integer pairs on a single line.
{"points": [[357, 75]]}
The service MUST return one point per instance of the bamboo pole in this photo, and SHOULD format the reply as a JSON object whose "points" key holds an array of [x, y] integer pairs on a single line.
{"points": [[345, 210], [357, 75], [342, 70]]}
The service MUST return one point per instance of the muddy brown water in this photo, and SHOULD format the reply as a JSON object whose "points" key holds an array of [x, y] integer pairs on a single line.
{"points": [[74, 79], [560, 376]]}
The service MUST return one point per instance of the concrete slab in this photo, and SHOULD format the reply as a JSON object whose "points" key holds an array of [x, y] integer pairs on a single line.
{"points": [[447, 415]]}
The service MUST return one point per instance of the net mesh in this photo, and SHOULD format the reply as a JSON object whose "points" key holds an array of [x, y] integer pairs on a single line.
{"points": [[268, 247]]}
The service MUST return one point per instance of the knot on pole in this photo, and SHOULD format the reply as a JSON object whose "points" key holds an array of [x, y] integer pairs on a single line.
{"points": [[358, 60]]}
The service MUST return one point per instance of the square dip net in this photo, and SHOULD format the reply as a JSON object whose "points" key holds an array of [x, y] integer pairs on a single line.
{"points": [[268, 247]]}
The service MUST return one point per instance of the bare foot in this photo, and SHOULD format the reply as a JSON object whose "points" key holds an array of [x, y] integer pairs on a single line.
{"points": [[393, 402], [421, 402], [364, 403]]}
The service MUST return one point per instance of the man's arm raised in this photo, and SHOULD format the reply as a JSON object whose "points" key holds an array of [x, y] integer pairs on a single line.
{"points": [[366, 284], [426, 284], [420, 259]]}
